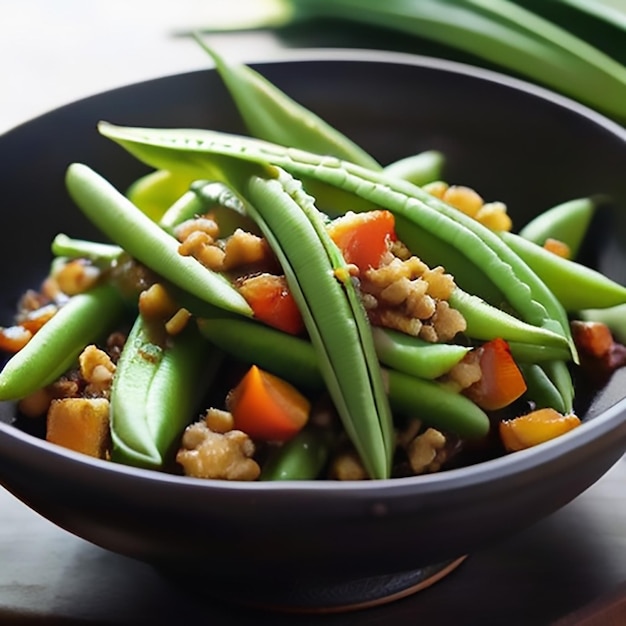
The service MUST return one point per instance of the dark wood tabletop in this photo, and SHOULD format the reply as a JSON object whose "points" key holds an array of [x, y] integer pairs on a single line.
{"points": [[572, 559], [564, 568]]}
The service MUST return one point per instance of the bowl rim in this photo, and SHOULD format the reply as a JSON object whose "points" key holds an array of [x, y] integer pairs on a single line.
{"points": [[456, 478]]}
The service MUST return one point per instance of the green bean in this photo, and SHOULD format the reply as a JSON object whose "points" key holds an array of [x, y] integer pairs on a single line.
{"points": [[568, 222], [559, 374], [140, 237], [301, 458], [272, 115], [483, 248], [282, 354], [576, 286], [188, 206], [100, 253], [415, 356], [488, 322], [436, 405], [294, 359], [404, 353], [208, 196], [419, 169], [155, 192], [332, 314], [154, 392], [534, 353], [540, 389], [56, 346]]}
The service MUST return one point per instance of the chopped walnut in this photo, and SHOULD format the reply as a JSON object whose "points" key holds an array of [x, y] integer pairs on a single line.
{"points": [[493, 215], [208, 454], [404, 294], [347, 465], [97, 370], [427, 451], [242, 248], [76, 276]]}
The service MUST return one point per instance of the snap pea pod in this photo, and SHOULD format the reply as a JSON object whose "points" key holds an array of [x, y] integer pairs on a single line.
{"points": [[54, 349], [568, 222], [271, 114], [144, 240], [419, 169], [154, 392], [540, 389], [483, 248], [576, 286], [301, 458], [294, 359], [332, 313]]}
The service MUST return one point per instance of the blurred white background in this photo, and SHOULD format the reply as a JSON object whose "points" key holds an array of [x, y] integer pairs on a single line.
{"points": [[56, 51]]}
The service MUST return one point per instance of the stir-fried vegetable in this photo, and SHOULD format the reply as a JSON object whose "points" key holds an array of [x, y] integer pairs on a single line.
{"points": [[419, 321]]}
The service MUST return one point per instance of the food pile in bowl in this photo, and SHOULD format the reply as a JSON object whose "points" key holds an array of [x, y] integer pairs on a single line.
{"points": [[281, 306]]}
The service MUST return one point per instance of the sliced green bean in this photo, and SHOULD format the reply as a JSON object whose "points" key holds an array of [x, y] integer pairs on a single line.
{"points": [[540, 389], [155, 390], [301, 458], [568, 222], [576, 286], [272, 115], [54, 349], [419, 169], [144, 240], [484, 249], [346, 355], [414, 356]]}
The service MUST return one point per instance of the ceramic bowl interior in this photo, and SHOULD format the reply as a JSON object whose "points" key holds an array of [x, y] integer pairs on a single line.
{"points": [[510, 141]]}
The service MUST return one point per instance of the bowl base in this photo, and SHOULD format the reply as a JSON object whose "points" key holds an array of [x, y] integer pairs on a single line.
{"points": [[341, 597]]}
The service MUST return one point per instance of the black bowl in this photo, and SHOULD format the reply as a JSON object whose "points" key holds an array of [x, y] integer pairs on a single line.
{"points": [[321, 544]]}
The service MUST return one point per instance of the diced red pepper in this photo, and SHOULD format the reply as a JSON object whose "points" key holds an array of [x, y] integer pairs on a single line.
{"points": [[266, 407], [501, 382], [272, 302], [363, 238], [534, 428]]}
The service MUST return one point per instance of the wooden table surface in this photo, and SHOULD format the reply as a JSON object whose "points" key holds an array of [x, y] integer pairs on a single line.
{"points": [[56, 52]]}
